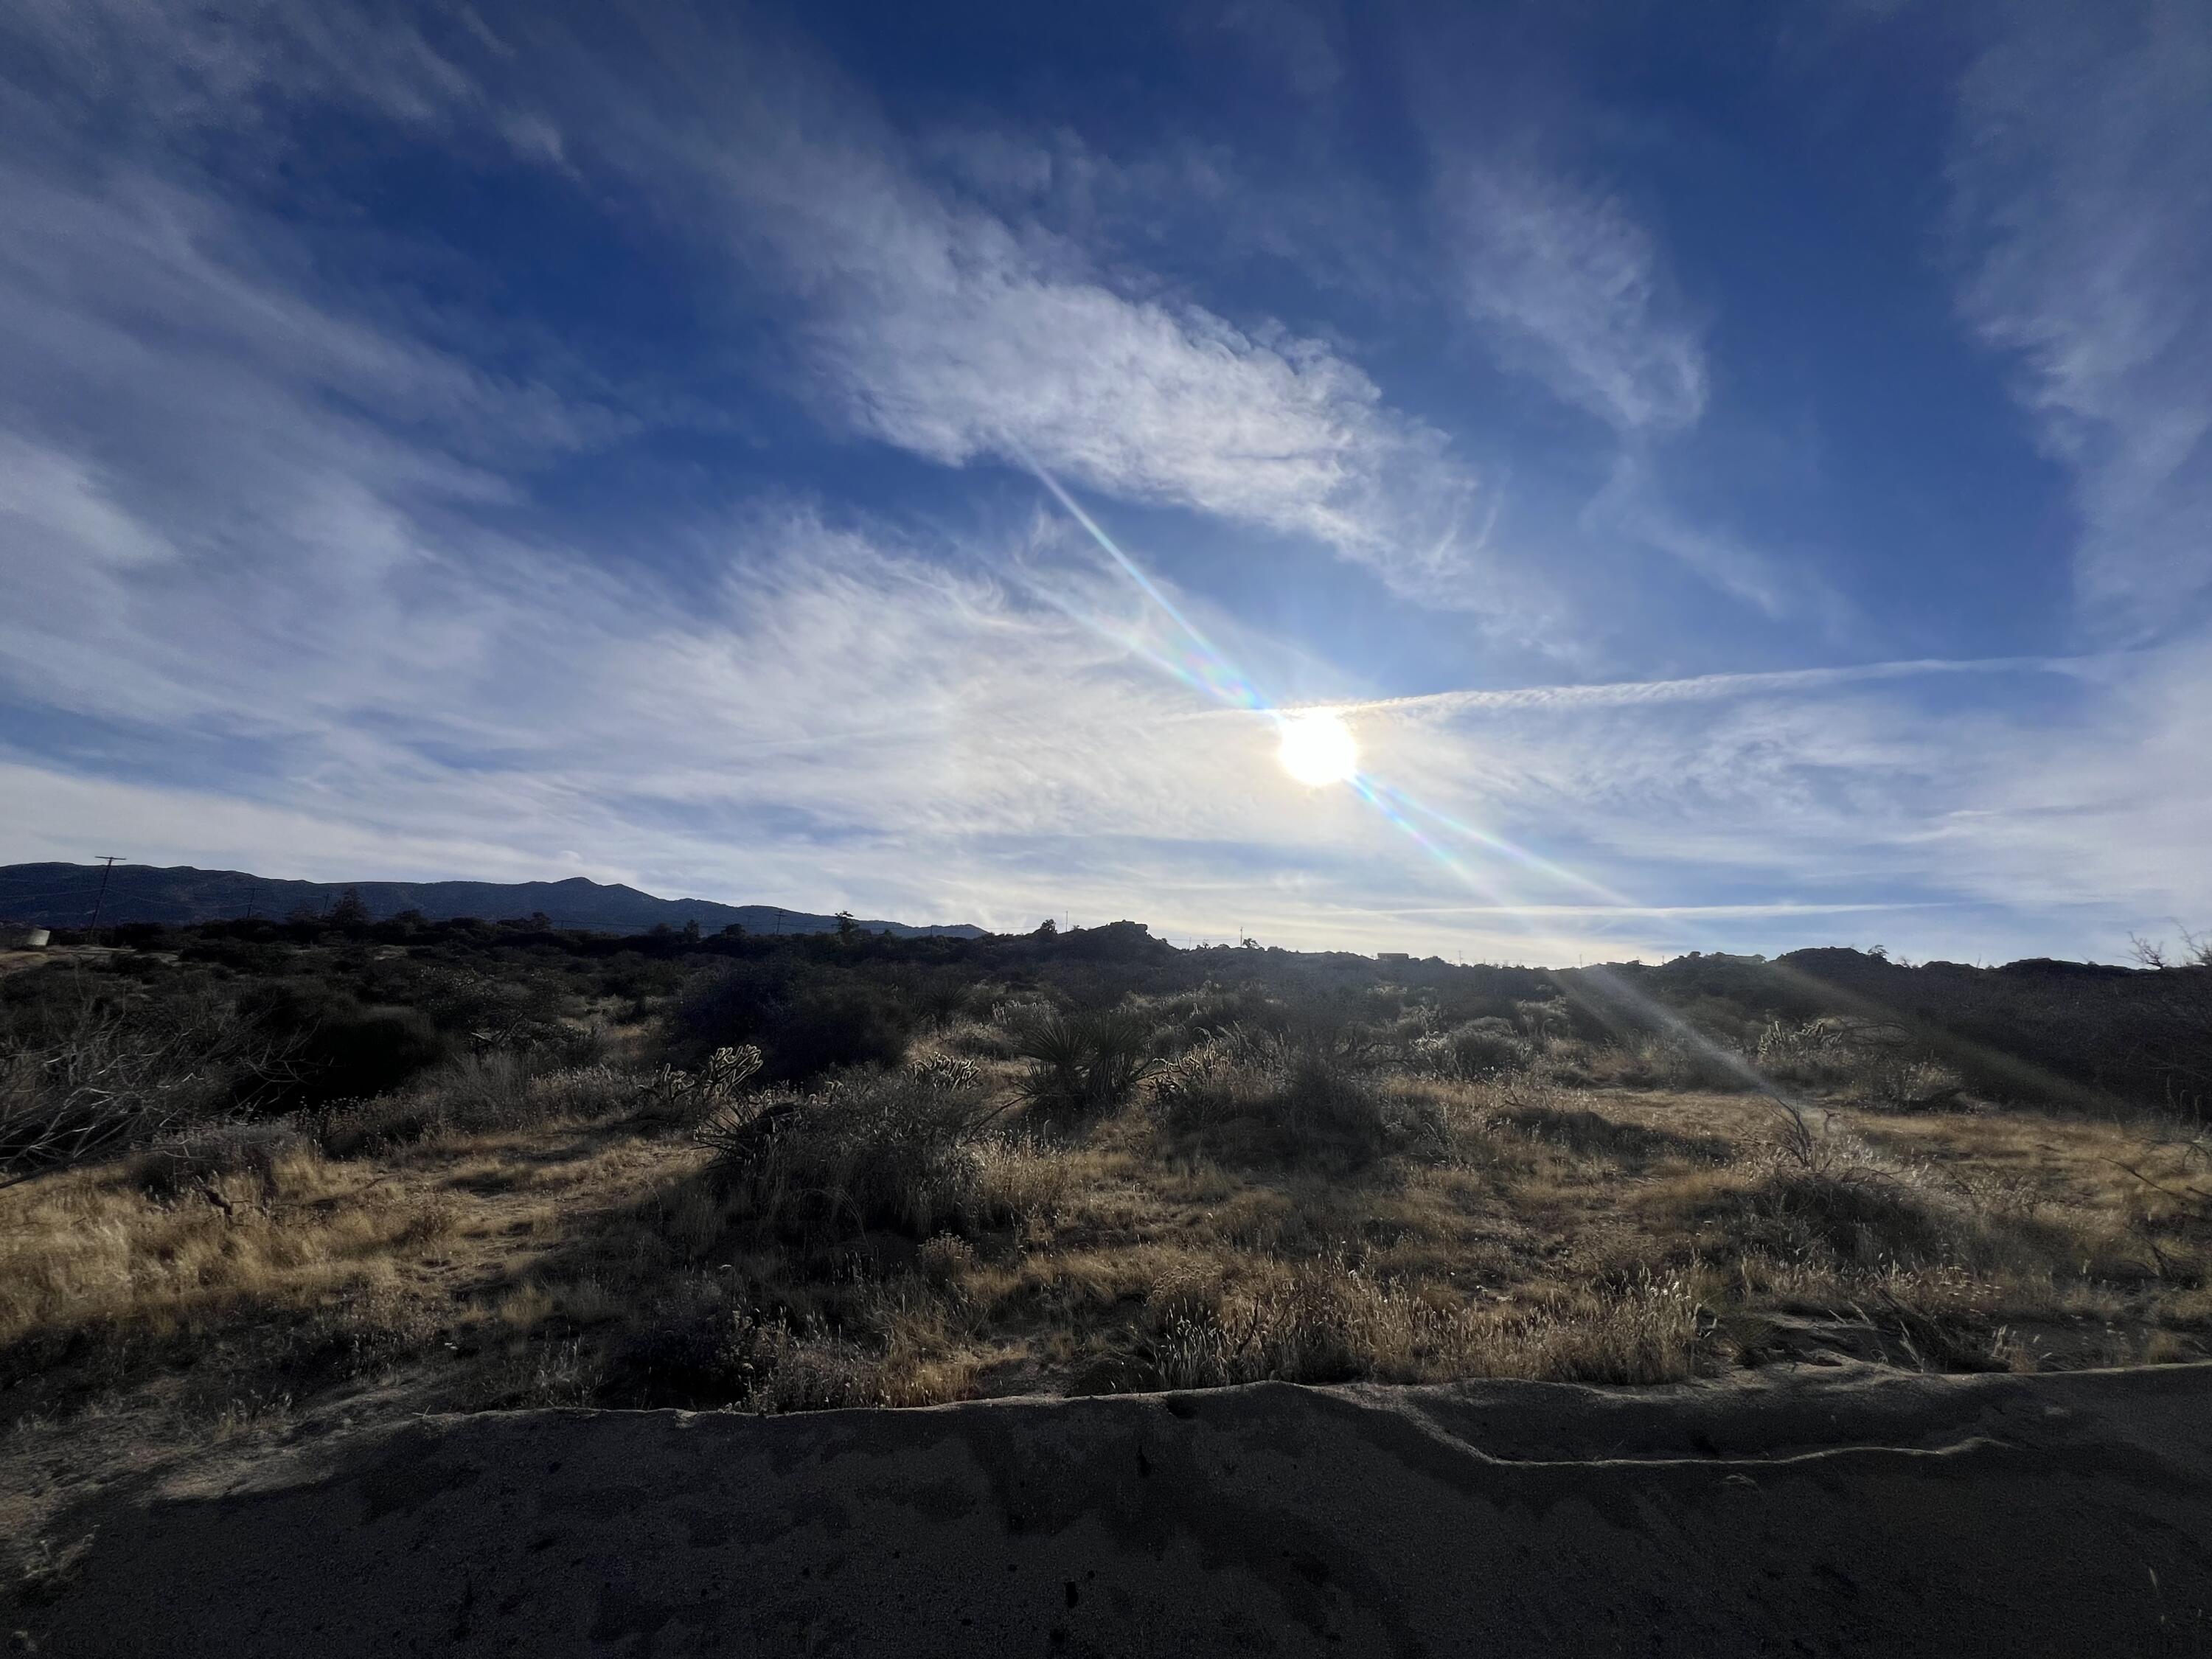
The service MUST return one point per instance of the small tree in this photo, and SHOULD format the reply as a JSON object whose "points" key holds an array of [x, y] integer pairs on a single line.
{"points": [[350, 911], [848, 929], [1048, 929], [2195, 951]]}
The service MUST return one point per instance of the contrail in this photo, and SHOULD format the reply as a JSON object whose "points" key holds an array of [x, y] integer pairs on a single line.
{"points": [[1700, 688]]}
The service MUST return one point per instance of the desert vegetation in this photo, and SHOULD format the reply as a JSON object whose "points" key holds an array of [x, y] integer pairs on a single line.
{"points": [[259, 1171]]}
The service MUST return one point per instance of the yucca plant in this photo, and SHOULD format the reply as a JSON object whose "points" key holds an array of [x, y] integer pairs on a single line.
{"points": [[1085, 1064]]}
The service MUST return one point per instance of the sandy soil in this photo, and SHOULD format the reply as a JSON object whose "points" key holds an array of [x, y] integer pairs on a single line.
{"points": [[1826, 1510]]}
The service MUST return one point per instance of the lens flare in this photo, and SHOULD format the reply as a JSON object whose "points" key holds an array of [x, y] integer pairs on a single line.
{"points": [[1318, 748]]}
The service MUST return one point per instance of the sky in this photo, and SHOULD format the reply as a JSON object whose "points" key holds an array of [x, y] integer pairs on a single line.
{"points": [[1742, 475]]}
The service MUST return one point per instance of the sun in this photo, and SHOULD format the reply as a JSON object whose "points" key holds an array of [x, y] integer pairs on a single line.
{"points": [[1318, 748]]}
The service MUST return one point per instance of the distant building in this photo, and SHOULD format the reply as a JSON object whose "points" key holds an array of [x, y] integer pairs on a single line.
{"points": [[22, 936], [1393, 956]]}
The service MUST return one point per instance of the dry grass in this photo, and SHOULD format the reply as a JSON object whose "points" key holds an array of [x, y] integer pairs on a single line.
{"points": [[908, 1238]]}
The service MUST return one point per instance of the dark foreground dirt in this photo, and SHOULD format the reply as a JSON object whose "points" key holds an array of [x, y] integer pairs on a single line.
{"points": [[1851, 1512]]}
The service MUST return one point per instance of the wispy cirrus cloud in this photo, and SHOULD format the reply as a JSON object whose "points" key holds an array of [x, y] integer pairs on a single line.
{"points": [[2082, 232], [1572, 291], [283, 591], [944, 327], [1568, 287]]}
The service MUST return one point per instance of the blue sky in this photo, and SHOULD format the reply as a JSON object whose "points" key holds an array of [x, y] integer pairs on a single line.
{"points": [[1743, 473]]}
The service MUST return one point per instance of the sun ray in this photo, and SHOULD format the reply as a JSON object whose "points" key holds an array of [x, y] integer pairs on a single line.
{"points": [[1205, 668]]}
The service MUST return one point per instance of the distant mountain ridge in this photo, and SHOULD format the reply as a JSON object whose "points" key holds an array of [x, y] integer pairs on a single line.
{"points": [[62, 895]]}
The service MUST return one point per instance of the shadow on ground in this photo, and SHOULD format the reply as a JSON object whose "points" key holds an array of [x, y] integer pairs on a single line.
{"points": [[1851, 1511]]}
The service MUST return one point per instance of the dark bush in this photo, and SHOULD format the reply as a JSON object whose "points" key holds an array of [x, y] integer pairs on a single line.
{"points": [[1484, 1046], [1857, 1218], [355, 1052], [897, 1152], [803, 1019], [216, 1152], [826, 1024], [1298, 1108]]}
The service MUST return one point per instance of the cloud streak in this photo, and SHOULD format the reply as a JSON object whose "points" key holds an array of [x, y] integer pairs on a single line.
{"points": [[952, 330], [1572, 290], [294, 582], [1700, 688], [2081, 233]]}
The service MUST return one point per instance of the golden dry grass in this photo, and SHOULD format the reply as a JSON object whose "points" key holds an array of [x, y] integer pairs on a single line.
{"points": [[1515, 1228]]}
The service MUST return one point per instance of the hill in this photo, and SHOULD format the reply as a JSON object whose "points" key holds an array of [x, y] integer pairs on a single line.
{"points": [[62, 896]]}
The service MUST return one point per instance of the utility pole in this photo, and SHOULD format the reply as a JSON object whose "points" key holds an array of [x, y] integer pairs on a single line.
{"points": [[107, 869], [252, 899]]}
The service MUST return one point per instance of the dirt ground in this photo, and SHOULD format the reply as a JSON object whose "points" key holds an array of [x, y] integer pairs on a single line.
{"points": [[1839, 1510]]}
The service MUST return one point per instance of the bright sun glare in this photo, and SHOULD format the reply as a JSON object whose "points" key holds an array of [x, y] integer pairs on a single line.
{"points": [[1318, 748]]}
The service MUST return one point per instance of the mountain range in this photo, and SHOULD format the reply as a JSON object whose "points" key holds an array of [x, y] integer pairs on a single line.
{"points": [[63, 895]]}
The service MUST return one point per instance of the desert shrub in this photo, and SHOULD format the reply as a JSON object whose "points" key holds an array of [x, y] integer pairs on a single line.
{"points": [[582, 1091], [1671, 1061], [1300, 1107], [473, 1095], [941, 998], [1185, 1020], [1328, 1105], [511, 1003], [728, 1006], [353, 1051], [1479, 1048], [946, 1071], [1849, 1217], [671, 1095], [92, 1076], [828, 1024], [882, 1151], [978, 1040], [805, 1021], [1544, 1022], [942, 1259], [690, 1360], [1019, 1011], [1872, 1061], [1084, 1065], [1910, 1083], [248, 1148]]}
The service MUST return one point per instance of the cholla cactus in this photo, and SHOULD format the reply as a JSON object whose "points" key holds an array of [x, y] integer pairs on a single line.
{"points": [[946, 1071], [670, 1092], [726, 1071]]}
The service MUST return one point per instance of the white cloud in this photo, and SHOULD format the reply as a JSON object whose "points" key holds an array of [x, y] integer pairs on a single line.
{"points": [[1572, 290], [955, 331], [2073, 811], [2083, 231], [1567, 288], [240, 513], [1702, 688], [52, 501]]}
